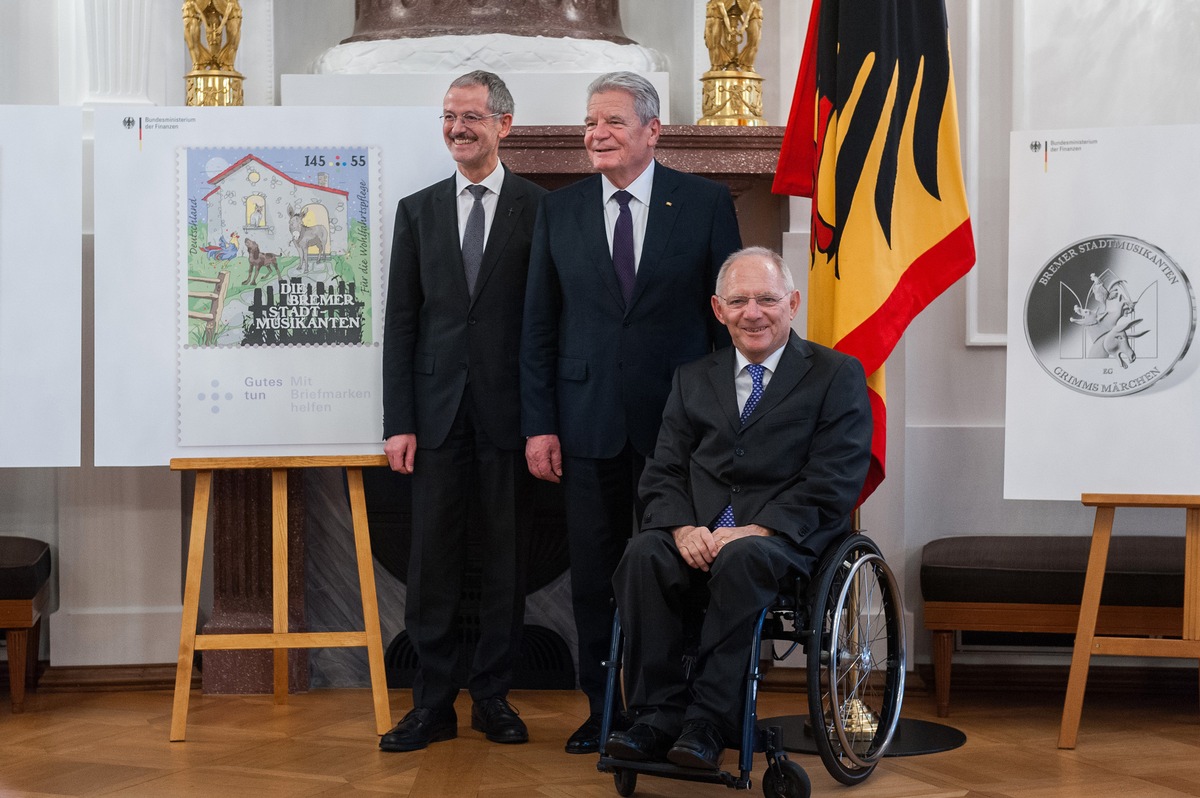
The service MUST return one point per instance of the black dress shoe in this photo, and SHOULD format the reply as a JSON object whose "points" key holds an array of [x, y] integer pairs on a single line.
{"points": [[586, 739], [498, 721], [420, 727], [640, 743], [700, 746]]}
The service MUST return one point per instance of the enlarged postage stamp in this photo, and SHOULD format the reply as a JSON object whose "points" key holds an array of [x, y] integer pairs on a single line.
{"points": [[279, 246], [280, 277]]}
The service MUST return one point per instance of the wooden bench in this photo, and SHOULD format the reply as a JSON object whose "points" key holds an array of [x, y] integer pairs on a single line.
{"points": [[1034, 583], [24, 581]]}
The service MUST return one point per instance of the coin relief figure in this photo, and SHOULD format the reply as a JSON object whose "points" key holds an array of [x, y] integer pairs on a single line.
{"points": [[212, 30]]}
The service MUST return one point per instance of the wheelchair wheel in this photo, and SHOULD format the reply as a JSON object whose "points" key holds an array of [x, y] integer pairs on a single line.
{"points": [[625, 781], [856, 659], [786, 780]]}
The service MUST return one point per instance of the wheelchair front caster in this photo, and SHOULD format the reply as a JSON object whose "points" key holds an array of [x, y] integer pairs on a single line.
{"points": [[625, 781], [785, 779]]}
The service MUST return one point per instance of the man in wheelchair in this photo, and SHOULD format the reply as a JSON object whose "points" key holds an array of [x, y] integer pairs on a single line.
{"points": [[762, 454]]}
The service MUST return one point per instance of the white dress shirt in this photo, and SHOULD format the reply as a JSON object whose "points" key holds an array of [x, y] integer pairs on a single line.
{"points": [[491, 198], [744, 383], [639, 209]]}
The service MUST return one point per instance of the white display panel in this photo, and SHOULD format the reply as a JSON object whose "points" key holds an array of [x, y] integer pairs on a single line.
{"points": [[41, 211], [241, 258], [1102, 389]]}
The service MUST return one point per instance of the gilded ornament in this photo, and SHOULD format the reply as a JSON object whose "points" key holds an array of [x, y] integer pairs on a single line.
{"points": [[212, 30], [731, 89]]}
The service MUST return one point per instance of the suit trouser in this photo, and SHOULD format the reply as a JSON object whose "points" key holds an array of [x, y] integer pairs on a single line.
{"points": [[444, 481], [602, 512], [656, 589]]}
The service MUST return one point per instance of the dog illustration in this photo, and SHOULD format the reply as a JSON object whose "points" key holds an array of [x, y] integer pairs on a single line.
{"points": [[260, 262]]}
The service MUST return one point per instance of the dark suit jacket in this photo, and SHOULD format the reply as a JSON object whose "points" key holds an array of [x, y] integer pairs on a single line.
{"points": [[797, 465], [436, 337], [593, 371]]}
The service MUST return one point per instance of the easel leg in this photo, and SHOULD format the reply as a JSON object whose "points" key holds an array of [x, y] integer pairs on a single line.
{"points": [[1191, 576], [279, 576], [370, 605], [191, 605], [1089, 607]]}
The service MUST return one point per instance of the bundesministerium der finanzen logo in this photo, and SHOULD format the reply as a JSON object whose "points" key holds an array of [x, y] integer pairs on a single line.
{"points": [[1110, 315]]}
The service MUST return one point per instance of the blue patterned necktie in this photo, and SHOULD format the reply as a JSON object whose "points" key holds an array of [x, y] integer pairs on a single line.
{"points": [[472, 244], [756, 389], [756, 392], [622, 245]]}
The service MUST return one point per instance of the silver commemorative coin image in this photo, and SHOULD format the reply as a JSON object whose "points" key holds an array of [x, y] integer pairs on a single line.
{"points": [[1109, 315]]}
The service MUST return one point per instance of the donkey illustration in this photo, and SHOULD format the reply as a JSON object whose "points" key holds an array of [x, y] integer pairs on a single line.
{"points": [[305, 236]]}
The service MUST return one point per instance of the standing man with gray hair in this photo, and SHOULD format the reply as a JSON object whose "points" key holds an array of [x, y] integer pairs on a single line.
{"points": [[621, 270], [460, 255]]}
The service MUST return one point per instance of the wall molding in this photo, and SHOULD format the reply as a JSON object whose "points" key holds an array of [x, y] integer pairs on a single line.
{"points": [[972, 149]]}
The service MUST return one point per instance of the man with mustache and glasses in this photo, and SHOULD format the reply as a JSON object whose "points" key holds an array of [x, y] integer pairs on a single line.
{"points": [[460, 254]]}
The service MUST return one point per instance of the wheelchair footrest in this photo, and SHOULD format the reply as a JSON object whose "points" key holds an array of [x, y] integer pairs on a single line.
{"points": [[608, 764]]}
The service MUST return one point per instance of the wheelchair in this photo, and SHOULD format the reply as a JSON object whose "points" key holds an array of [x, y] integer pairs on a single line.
{"points": [[849, 620]]}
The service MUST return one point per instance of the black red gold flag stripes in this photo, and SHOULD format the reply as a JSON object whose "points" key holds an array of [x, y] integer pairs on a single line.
{"points": [[873, 139]]}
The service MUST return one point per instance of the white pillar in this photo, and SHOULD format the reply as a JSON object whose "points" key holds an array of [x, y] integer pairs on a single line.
{"points": [[105, 51]]}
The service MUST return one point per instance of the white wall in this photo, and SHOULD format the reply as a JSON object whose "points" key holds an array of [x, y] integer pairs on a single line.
{"points": [[1050, 62], [1037, 64]]}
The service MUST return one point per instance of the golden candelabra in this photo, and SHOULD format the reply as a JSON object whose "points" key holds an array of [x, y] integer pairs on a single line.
{"points": [[212, 30], [732, 90]]}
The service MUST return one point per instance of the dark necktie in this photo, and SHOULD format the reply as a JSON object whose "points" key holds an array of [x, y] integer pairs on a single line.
{"points": [[472, 245], [622, 245], [756, 392], [756, 389]]}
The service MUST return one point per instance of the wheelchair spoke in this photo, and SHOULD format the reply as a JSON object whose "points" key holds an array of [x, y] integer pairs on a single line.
{"points": [[856, 654]]}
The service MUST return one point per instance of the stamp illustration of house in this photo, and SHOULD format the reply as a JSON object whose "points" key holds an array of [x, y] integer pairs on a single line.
{"points": [[252, 196]]}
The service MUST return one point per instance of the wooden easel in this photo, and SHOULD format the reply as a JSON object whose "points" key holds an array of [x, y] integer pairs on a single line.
{"points": [[1087, 643], [279, 639]]}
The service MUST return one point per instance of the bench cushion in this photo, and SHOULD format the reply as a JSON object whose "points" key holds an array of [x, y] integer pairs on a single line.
{"points": [[1050, 569], [24, 567]]}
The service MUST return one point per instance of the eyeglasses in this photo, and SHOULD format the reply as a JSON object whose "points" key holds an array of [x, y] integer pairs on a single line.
{"points": [[764, 301], [469, 119]]}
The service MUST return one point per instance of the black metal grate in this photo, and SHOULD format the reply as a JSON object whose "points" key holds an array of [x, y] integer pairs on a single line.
{"points": [[543, 662]]}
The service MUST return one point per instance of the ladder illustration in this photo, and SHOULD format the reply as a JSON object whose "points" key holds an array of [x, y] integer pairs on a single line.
{"points": [[217, 297]]}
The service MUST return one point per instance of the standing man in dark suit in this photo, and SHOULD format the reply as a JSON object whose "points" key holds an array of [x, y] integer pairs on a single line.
{"points": [[620, 273], [763, 452], [460, 255]]}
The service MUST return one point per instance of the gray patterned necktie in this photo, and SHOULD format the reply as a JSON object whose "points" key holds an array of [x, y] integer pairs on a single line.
{"points": [[472, 244]]}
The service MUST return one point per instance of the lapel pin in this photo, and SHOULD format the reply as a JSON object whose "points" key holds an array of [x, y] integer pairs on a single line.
{"points": [[668, 204]]}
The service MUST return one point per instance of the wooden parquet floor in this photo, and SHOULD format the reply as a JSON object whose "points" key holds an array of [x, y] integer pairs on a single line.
{"points": [[322, 744]]}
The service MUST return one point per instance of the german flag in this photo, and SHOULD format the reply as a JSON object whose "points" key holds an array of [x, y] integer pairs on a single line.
{"points": [[873, 139]]}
